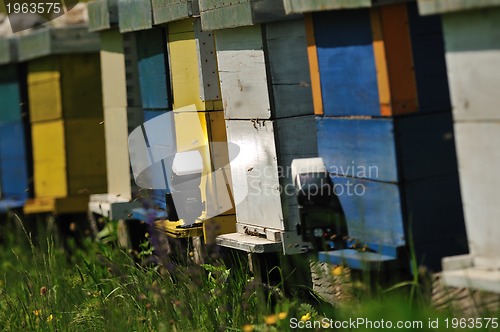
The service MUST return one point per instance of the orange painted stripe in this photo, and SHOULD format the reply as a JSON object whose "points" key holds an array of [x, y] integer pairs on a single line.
{"points": [[398, 51], [384, 90], [313, 65]]}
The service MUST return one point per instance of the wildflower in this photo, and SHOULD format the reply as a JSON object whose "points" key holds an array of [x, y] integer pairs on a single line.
{"points": [[271, 319], [282, 315], [146, 235], [141, 297], [37, 312], [50, 318], [248, 328], [337, 271], [305, 317], [148, 306], [43, 290], [191, 254]]}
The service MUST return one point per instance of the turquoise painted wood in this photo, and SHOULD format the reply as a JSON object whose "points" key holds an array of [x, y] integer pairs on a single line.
{"points": [[346, 62], [10, 109], [152, 68]]}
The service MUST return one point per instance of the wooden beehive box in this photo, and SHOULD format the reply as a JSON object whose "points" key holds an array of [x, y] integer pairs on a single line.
{"points": [[66, 118], [267, 100], [473, 62], [134, 15], [222, 14], [381, 93], [301, 6], [14, 150]]}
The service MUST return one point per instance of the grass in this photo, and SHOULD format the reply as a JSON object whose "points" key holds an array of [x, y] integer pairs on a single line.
{"points": [[101, 287]]}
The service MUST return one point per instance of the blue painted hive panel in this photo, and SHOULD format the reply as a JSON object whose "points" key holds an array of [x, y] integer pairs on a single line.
{"points": [[346, 63], [10, 109], [152, 67]]}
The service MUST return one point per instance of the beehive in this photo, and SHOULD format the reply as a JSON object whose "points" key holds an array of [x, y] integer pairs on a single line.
{"points": [[173, 77], [267, 101], [385, 128], [66, 118], [473, 60], [14, 151]]}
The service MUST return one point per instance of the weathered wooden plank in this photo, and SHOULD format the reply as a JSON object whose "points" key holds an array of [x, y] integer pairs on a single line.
{"points": [[134, 15], [478, 154], [289, 70], [166, 11], [152, 68], [263, 199], [65, 40], [114, 92], [429, 7], [102, 14], [242, 73], [473, 61], [49, 159], [217, 15], [346, 62]]}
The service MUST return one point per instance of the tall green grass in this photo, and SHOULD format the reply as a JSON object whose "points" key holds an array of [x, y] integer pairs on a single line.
{"points": [[100, 287]]}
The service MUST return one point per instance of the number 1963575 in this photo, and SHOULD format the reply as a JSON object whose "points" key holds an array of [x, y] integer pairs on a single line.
{"points": [[34, 8]]}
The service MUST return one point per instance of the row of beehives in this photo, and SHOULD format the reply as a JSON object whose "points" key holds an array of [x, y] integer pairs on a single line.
{"points": [[364, 88]]}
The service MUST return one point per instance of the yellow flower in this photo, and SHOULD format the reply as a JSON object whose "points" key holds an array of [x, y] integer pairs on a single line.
{"points": [[306, 317], [37, 312], [282, 315], [50, 318], [271, 319], [337, 271], [248, 328]]}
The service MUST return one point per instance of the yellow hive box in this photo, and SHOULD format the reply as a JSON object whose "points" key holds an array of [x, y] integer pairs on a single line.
{"points": [[68, 158], [64, 86], [185, 56]]}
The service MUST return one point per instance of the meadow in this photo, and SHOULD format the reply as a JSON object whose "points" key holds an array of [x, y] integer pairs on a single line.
{"points": [[99, 286]]}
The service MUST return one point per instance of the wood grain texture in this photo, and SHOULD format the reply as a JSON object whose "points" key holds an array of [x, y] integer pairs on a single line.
{"points": [[113, 72], [346, 63], [166, 11], [242, 73]]}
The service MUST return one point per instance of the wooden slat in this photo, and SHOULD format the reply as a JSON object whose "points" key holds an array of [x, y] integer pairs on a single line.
{"points": [[430, 7], [114, 89], [242, 72], [134, 15], [165, 11], [301, 6], [312, 54], [45, 101]]}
